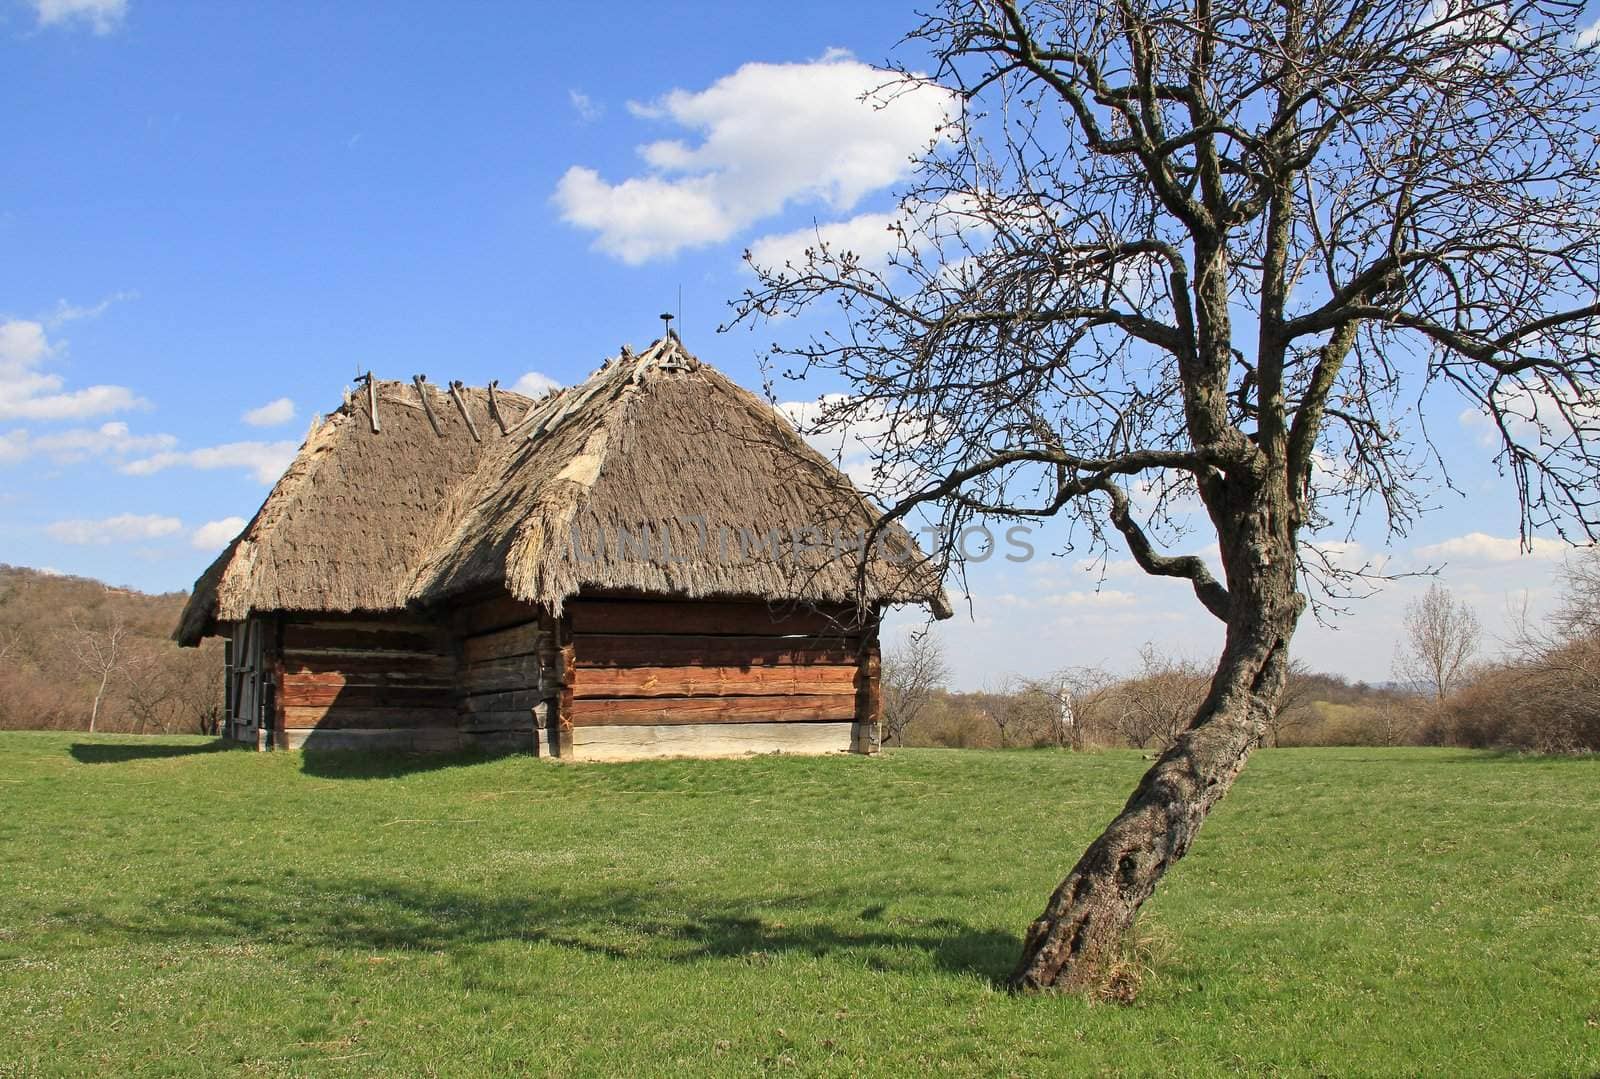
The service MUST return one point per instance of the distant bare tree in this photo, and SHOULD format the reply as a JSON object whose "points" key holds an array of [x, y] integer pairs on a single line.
{"points": [[10, 643], [1546, 697], [152, 681], [912, 672], [1391, 723], [1157, 703], [1441, 637], [98, 646], [1077, 698], [1024, 711], [1293, 708], [1578, 617]]}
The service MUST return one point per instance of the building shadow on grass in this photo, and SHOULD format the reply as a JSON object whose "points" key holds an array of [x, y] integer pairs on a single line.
{"points": [[391, 764], [122, 752], [368, 915]]}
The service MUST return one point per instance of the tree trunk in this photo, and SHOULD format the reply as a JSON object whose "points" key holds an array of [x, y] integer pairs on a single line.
{"points": [[1084, 925], [94, 711]]}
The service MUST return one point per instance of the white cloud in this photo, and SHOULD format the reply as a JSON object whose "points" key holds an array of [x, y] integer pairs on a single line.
{"points": [[101, 16], [771, 135], [29, 393], [852, 448], [1533, 415], [264, 460], [587, 108], [271, 414], [22, 343], [870, 237], [1105, 597], [77, 404], [214, 535], [535, 384], [1589, 37], [1482, 547], [14, 446], [65, 312], [124, 526], [80, 443], [1107, 568]]}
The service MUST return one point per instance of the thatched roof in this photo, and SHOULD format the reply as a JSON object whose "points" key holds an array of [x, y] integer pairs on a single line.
{"points": [[656, 475], [346, 526]]}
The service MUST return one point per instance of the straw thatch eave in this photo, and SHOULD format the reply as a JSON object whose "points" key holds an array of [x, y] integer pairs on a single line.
{"points": [[355, 513]]}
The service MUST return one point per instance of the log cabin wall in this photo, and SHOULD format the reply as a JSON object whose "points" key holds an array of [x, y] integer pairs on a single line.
{"points": [[507, 681], [663, 677], [374, 682]]}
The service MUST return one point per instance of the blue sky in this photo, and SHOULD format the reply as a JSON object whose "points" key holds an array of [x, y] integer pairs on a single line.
{"points": [[212, 215]]}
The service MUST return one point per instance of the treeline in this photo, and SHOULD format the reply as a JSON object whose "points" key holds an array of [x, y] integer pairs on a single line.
{"points": [[1542, 696], [77, 654], [1090, 709]]}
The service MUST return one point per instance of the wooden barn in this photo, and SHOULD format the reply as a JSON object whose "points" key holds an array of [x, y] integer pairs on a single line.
{"points": [[650, 563]]}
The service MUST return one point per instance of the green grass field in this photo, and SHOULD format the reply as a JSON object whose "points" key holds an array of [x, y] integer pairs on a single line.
{"points": [[166, 909]]}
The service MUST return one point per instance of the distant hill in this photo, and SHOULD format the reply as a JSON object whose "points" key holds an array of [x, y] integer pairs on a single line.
{"points": [[66, 641]]}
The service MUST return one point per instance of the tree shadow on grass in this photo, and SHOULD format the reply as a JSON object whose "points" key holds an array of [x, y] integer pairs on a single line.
{"points": [[1519, 756], [370, 915], [122, 752]]}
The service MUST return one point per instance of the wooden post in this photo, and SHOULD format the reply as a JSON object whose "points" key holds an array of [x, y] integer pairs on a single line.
{"points": [[421, 383], [372, 401], [227, 684], [279, 738], [560, 731], [461, 403], [869, 692], [494, 406]]}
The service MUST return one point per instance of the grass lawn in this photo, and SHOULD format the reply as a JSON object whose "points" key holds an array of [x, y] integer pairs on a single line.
{"points": [[166, 909]]}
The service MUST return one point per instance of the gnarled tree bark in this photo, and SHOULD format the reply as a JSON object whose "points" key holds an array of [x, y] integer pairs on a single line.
{"points": [[1086, 921]]}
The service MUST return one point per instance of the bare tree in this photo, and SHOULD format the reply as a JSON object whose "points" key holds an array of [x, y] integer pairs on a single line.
{"points": [[913, 671], [1219, 252], [1578, 617], [1293, 706], [1546, 695], [10, 642], [1023, 710], [151, 682], [98, 647], [1441, 637], [1157, 703], [1077, 697]]}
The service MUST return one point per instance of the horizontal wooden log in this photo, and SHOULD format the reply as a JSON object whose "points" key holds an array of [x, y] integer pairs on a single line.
{"points": [[336, 679], [670, 710], [505, 741], [525, 720], [671, 650], [713, 681], [516, 641], [632, 742], [414, 740], [505, 701], [369, 696], [513, 672], [397, 666], [369, 638], [336, 716], [708, 617]]}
